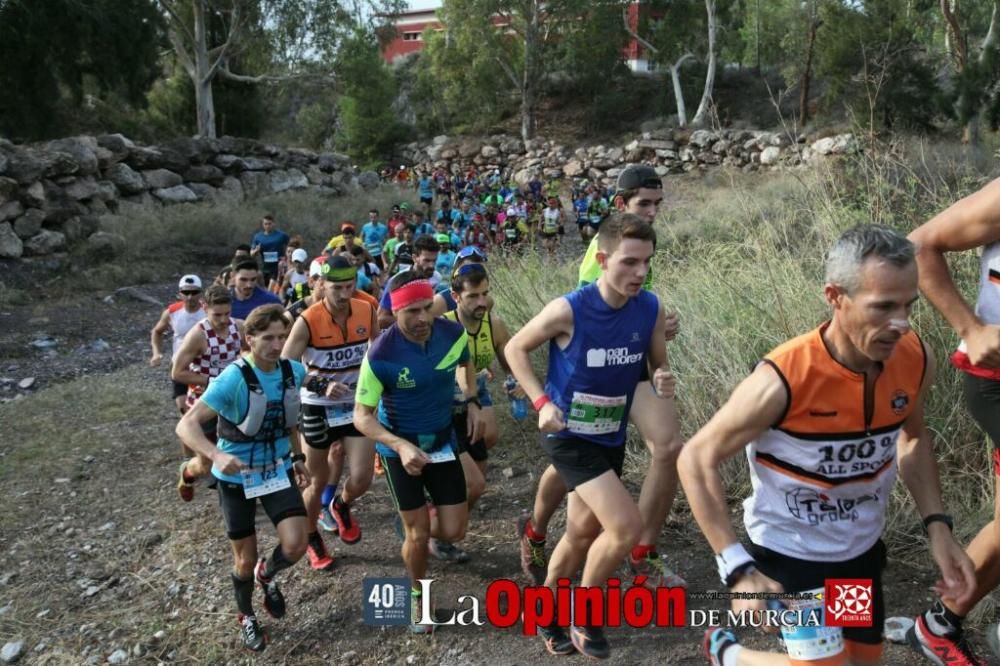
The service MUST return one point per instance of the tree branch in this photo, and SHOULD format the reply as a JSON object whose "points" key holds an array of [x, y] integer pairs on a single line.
{"points": [[187, 62], [226, 73], [635, 35], [177, 20], [234, 30], [958, 48], [509, 72], [991, 36]]}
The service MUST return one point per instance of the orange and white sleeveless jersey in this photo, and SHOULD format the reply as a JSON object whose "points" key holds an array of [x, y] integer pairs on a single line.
{"points": [[822, 475], [336, 353]]}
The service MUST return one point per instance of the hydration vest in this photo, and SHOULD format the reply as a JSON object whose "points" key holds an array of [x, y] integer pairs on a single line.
{"points": [[248, 429]]}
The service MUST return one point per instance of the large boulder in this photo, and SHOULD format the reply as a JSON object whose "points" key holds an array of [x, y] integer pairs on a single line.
{"points": [[3, 162], [292, 179], [34, 195], [231, 190], [489, 151], [81, 149], [770, 155], [368, 180], [204, 191], [126, 179], [146, 158], [11, 246], [10, 210], [175, 195], [204, 173], [160, 179], [45, 242], [105, 245], [255, 184], [258, 164], [835, 145], [106, 190], [82, 188], [8, 189], [26, 165], [332, 161], [29, 224], [573, 169], [703, 138], [58, 205]]}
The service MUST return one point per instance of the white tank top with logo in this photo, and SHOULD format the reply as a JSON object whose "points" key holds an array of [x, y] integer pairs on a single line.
{"points": [[987, 307], [182, 321]]}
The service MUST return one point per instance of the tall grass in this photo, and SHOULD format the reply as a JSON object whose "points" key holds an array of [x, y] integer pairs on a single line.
{"points": [[740, 258]]}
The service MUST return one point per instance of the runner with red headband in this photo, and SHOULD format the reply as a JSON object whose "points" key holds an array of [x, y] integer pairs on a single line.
{"points": [[404, 402]]}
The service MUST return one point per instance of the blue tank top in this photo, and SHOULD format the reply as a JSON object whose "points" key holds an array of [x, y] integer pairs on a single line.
{"points": [[593, 380]]}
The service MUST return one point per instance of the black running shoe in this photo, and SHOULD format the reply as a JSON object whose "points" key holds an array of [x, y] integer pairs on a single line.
{"points": [[274, 601], [252, 634], [557, 641], [590, 641]]}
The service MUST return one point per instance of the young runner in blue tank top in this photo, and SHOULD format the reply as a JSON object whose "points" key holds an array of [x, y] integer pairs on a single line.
{"points": [[600, 339]]}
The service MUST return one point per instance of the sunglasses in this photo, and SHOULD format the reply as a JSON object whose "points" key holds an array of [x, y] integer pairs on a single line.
{"points": [[471, 251], [190, 293], [467, 269]]}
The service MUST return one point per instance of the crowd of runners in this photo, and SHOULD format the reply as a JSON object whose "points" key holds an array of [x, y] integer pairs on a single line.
{"points": [[376, 355]]}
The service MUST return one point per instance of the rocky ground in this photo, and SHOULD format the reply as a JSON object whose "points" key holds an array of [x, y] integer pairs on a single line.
{"points": [[105, 565]]}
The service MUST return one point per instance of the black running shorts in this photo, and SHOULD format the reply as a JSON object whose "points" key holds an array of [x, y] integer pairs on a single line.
{"points": [[983, 399], [179, 389], [797, 575], [316, 432], [238, 512], [443, 481], [580, 460], [475, 449]]}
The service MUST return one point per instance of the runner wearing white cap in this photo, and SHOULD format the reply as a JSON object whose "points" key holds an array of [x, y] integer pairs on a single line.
{"points": [[178, 317], [295, 284]]}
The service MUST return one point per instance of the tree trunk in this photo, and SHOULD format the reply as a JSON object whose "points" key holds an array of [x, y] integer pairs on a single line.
{"points": [[204, 99], [528, 78], [807, 72], [701, 115], [675, 75]]}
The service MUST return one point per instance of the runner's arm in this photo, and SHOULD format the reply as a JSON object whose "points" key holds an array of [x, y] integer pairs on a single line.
{"points": [[919, 471], [156, 337], [754, 406], [971, 222], [555, 320], [192, 347], [366, 400], [189, 430], [298, 339], [385, 318], [501, 336], [439, 306]]}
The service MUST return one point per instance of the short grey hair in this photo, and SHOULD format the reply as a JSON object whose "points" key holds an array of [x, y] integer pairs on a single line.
{"points": [[849, 252]]}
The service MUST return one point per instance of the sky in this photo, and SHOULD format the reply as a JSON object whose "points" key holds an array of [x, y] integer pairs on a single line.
{"points": [[424, 4]]}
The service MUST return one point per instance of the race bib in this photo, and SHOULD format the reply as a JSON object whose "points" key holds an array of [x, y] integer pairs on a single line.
{"points": [[270, 257], [259, 481], [444, 455], [339, 415], [595, 414]]}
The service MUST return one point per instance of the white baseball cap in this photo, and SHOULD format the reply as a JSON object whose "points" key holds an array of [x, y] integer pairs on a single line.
{"points": [[189, 282], [300, 255], [315, 269]]}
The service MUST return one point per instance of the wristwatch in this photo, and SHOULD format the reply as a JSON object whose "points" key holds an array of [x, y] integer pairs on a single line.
{"points": [[298, 457], [939, 518], [473, 401]]}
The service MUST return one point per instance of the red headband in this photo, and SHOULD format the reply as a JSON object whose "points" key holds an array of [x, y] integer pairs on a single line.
{"points": [[410, 293]]}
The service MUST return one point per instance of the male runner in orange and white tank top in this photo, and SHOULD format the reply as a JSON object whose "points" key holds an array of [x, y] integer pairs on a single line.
{"points": [[208, 348], [821, 419], [331, 338], [178, 317], [973, 222]]}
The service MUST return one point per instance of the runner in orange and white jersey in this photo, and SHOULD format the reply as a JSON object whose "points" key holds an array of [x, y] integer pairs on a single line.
{"points": [[821, 419]]}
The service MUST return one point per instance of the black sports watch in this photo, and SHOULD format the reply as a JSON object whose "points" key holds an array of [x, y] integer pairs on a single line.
{"points": [[473, 401], [939, 518], [298, 457]]}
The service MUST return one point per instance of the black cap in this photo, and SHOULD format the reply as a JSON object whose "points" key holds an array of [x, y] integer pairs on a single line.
{"points": [[635, 176]]}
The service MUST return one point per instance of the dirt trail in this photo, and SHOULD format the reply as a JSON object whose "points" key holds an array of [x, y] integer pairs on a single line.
{"points": [[102, 556]]}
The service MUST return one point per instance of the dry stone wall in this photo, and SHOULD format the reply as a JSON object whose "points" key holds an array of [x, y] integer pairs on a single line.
{"points": [[53, 194]]}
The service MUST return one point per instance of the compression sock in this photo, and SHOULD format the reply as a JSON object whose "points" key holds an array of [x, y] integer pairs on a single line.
{"points": [[316, 541], [941, 621], [244, 594], [642, 550], [329, 492], [529, 531], [277, 562]]}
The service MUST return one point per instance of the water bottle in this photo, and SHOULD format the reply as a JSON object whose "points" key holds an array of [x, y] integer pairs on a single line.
{"points": [[518, 406]]}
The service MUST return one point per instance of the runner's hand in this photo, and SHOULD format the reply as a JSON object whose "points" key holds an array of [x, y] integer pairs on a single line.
{"points": [[337, 390], [475, 423], [302, 477], [959, 574], [755, 582], [673, 325], [154, 360], [984, 346], [413, 459], [664, 383], [228, 464], [551, 418]]}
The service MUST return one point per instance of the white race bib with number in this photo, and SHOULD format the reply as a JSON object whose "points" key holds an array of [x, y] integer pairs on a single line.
{"points": [[339, 415], [259, 481], [595, 414], [270, 257], [444, 455]]}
